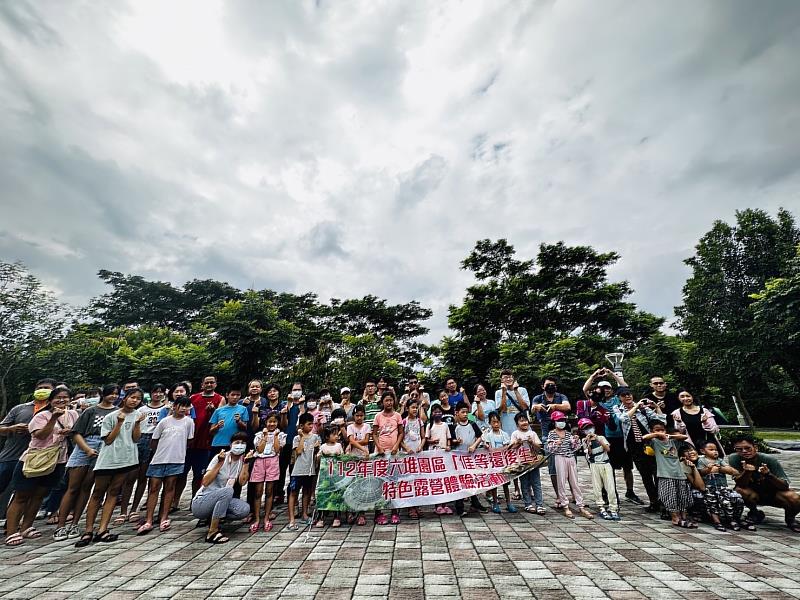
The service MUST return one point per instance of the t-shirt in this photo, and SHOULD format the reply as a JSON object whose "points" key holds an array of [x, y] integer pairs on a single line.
{"points": [[16, 443], [511, 400], [269, 449], [123, 451], [91, 420], [202, 417], [488, 407], [166, 411], [596, 454], [388, 429], [412, 433], [526, 437], [292, 415], [173, 436], [304, 463], [227, 414], [496, 439], [667, 464], [39, 420], [562, 446], [543, 415], [468, 433], [370, 410], [264, 408], [671, 402], [227, 476], [359, 433], [713, 479], [438, 434], [331, 449], [757, 480], [151, 418]]}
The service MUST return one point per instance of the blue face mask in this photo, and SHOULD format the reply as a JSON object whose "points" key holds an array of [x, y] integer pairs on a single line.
{"points": [[92, 401]]}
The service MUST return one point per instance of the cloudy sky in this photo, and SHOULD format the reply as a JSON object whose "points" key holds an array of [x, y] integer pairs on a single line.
{"points": [[352, 148]]}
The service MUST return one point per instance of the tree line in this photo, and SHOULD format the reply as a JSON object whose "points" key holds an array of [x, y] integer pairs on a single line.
{"points": [[737, 330]]}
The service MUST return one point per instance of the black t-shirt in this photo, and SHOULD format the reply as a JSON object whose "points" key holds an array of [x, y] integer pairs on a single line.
{"points": [[671, 401]]}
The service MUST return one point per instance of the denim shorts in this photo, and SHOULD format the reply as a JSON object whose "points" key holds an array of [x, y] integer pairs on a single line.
{"points": [[144, 448], [79, 458], [165, 470]]}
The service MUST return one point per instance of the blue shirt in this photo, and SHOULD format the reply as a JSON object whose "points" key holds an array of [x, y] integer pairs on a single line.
{"points": [[613, 427], [544, 416], [292, 416], [226, 413]]}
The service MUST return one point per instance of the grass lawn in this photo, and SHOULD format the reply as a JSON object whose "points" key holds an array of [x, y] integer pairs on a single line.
{"points": [[779, 434]]}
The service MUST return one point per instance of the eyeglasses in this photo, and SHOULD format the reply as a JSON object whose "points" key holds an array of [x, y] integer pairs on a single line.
{"points": [[741, 449], [659, 383]]}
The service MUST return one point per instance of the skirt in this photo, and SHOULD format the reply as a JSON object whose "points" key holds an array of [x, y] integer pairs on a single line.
{"points": [[266, 469], [79, 458], [674, 494]]}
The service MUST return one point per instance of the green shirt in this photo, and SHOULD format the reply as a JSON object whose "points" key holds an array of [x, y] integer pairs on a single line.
{"points": [[757, 479], [370, 410]]}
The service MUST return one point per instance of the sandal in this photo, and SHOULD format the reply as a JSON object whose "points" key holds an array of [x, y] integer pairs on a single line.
{"points": [[749, 525], [134, 516], [568, 513], [735, 526], [255, 526], [319, 524], [216, 538], [106, 537], [336, 523], [144, 529], [540, 510], [530, 509], [31, 534], [585, 513], [52, 519], [381, 520], [361, 520], [15, 539], [267, 526], [85, 540], [165, 525], [691, 525], [248, 519], [515, 495], [395, 520], [120, 520], [272, 516], [293, 526], [413, 513], [719, 527]]}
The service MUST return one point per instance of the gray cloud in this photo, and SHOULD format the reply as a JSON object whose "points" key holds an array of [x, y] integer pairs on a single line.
{"points": [[282, 144]]}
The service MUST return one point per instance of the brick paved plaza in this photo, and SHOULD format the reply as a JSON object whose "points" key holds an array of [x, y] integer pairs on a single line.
{"points": [[480, 557]]}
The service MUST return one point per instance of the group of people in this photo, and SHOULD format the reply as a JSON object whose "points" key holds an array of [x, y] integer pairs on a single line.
{"points": [[68, 456]]}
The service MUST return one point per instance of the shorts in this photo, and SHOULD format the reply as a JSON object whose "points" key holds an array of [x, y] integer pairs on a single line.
{"points": [[161, 471], [304, 482], [79, 458], [112, 472], [28, 484], [618, 456], [265, 469], [197, 461], [145, 454]]}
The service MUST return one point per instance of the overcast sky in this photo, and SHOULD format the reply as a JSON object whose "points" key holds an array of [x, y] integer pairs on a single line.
{"points": [[354, 148]]}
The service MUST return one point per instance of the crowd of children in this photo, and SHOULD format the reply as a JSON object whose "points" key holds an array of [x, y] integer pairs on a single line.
{"points": [[92, 451]]}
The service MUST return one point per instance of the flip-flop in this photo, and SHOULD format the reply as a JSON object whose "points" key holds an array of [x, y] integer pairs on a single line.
{"points": [[31, 534], [272, 516], [120, 520], [15, 539], [144, 529], [254, 526], [52, 519], [267, 526], [568, 513], [216, 538], [165, 525], [134, 516]]}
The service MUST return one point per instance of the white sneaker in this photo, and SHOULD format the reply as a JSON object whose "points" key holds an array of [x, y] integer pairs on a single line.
{"points": [[41, 514], [73, 532], [61, 534]]}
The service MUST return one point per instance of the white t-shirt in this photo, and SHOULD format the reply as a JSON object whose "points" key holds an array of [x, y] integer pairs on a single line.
{"points": [[172, 435], [150, 418], [331, 449], [269, 449], [227, 476], [360, 434], [496, 440], [438, 434], [526, 436]]}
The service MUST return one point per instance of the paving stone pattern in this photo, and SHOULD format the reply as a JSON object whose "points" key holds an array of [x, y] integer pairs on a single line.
{"points": [[481, 557]]}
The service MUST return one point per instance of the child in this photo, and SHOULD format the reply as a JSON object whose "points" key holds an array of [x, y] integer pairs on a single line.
{"points": [[151, 418], [719, 499], [563, 445], [596, 448], [438, 436], [493, 439], [331, 447], [305, 447], [413, 429], [467, 439], [170, 437], [266, 469], [387, 431], [524, 435], [358, 438], [673, 487]]}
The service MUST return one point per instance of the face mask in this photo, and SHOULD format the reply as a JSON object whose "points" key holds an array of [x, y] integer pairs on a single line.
{"points": [[92, 401], [326, 398], [41, 395], [238, 448], [311, 405], [589, 430], [550, 388], [296, 393], [561, 424], [437, 417]]}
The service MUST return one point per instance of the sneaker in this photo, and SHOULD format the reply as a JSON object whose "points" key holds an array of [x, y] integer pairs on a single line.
{"points": [[631, 496], [756, 516], [61, 534], [496, 508], [41, 514], [604, 514], [73, 532], [615, 516], [511, 508], [481, 508]]}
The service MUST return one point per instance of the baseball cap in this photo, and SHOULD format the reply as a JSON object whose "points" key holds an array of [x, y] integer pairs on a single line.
{"points": [[344, 389], [603, 384]]}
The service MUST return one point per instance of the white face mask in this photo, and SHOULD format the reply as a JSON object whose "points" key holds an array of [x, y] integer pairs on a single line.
{"points": [[238, 448], [311, 405], [589, 430], [561, 424], [325, 398]]}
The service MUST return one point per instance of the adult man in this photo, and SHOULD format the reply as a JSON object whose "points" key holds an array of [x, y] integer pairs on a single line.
{"points": [[762, 480], [14, 428], [668, 401], [542, 405], [596, 380], [455, 393], [618, 456], [633, 418], [371, 401], [198, 452], [295, 405], [422, 396]]}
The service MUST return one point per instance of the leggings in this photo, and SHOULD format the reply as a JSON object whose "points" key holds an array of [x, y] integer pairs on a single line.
{"points": [[219, 503], [567, 470], [603, 477]]}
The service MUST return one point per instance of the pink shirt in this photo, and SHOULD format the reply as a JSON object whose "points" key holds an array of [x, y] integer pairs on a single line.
{"points": [[39, 420], [388, 430], [360, 434]]}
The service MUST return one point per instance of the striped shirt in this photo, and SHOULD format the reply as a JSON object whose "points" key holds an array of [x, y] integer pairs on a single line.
{"points": [[561, 446], [371, 409]]}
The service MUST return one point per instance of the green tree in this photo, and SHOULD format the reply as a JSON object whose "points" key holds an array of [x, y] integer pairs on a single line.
{"points": [[29, 317]]}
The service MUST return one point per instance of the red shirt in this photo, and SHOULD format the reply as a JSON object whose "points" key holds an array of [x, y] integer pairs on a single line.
{"points": [[202, 433]]}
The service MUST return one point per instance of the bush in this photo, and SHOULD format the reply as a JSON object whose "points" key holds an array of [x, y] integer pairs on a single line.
{"points": [[726, 439]]}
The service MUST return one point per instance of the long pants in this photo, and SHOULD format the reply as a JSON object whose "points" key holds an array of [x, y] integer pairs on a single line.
{"points": [[6, 489], [53, 500], [473, 500], [646, 465], [567, 471], [726, 504], [218, 504], [531, 481], [285, 458], [603, 478]]}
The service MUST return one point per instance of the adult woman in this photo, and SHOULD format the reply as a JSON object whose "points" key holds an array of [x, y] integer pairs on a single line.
{"points": [[49, 429], [214, 500], [693, 420], [482, 407], [119, 456], [80, 466]]}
